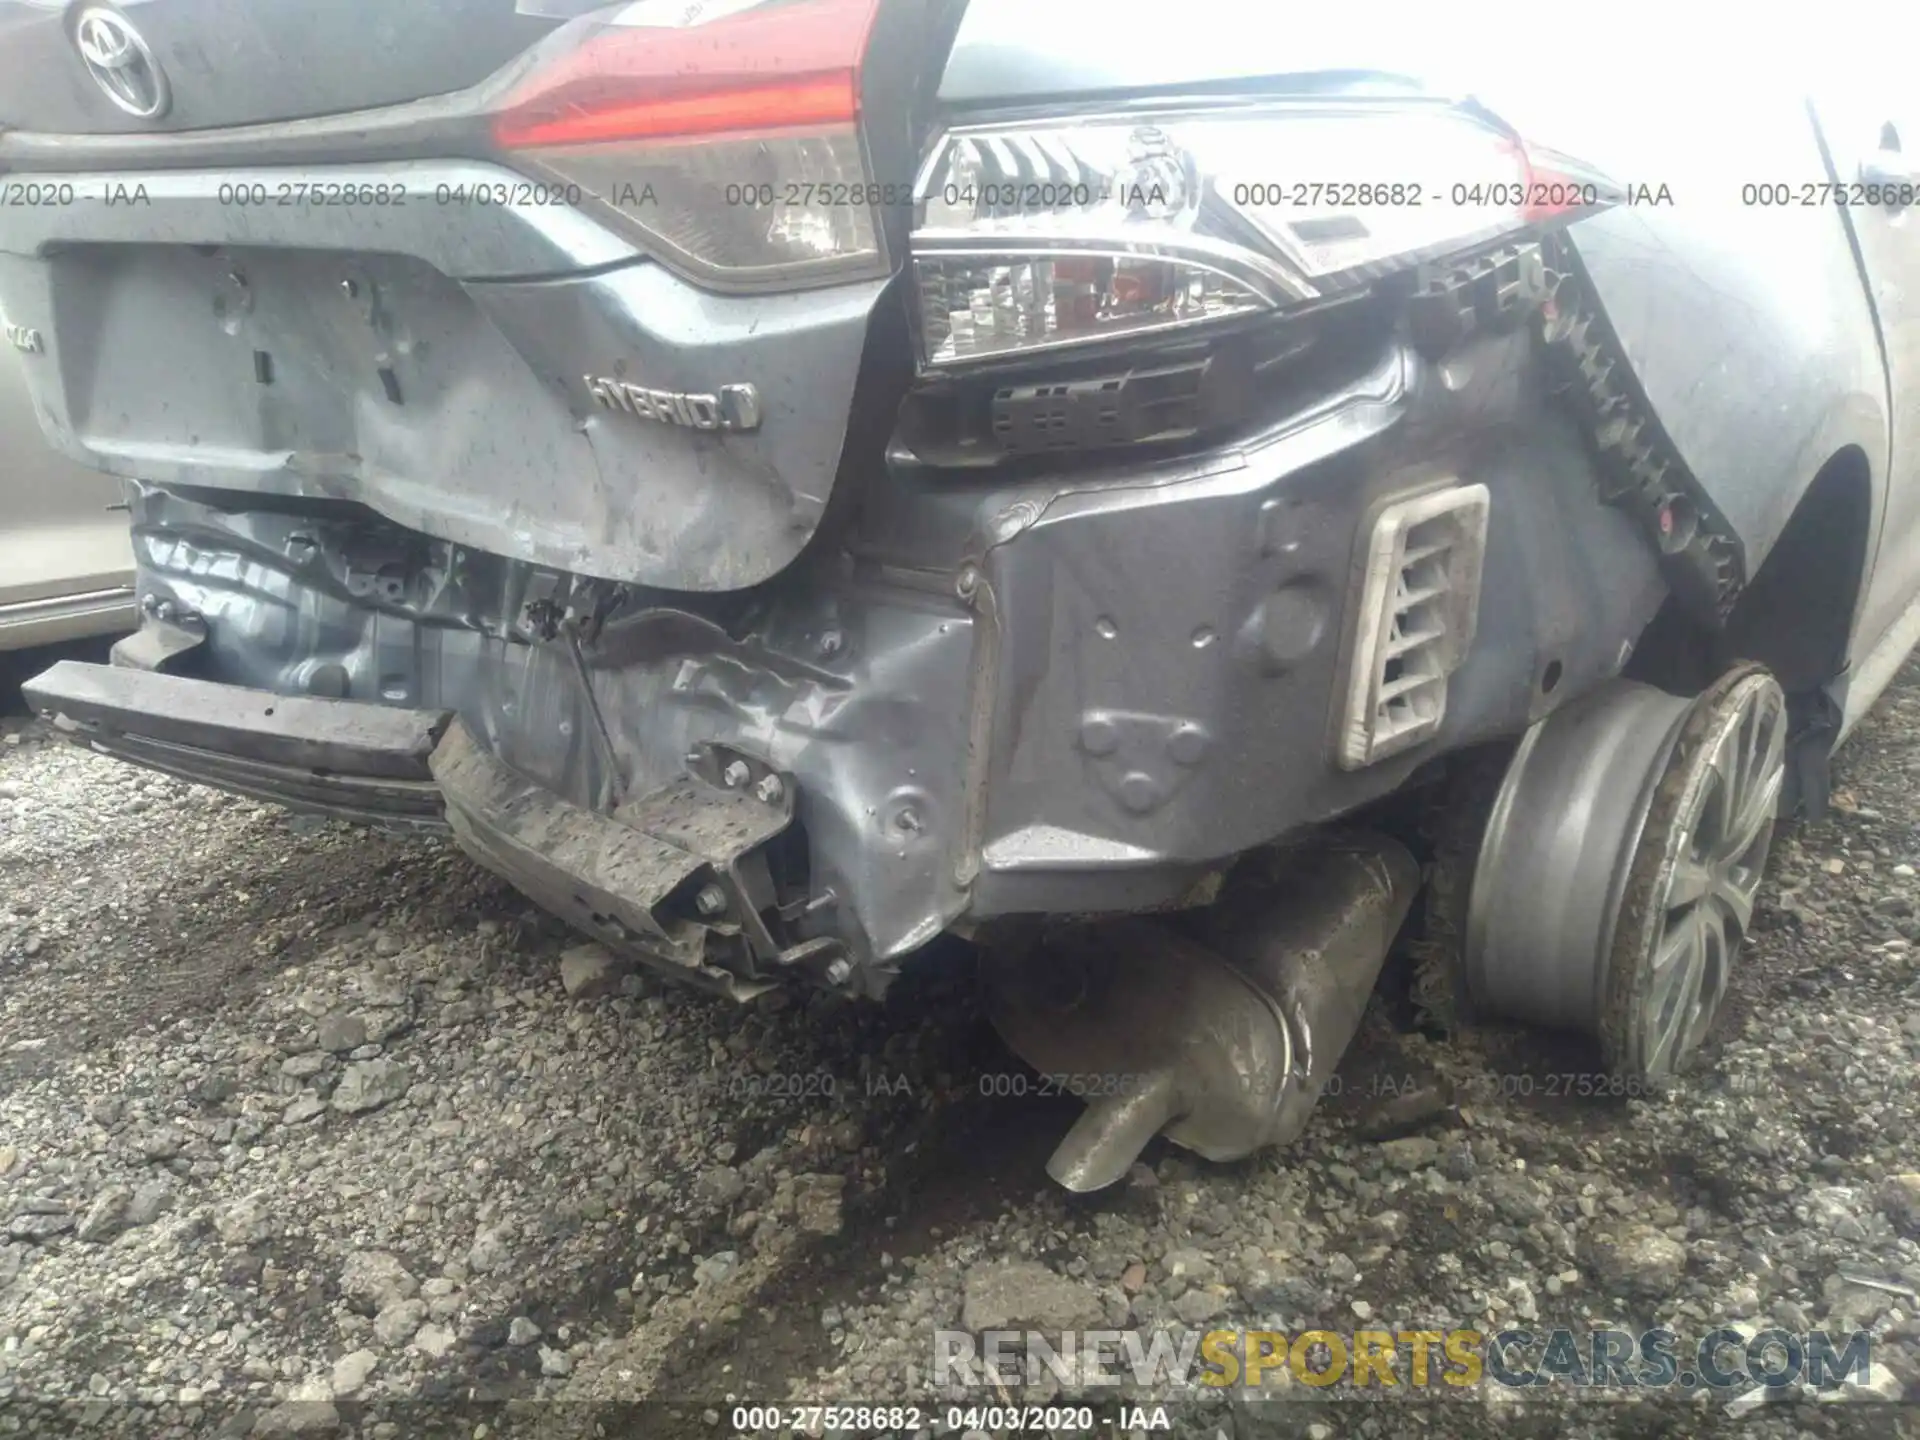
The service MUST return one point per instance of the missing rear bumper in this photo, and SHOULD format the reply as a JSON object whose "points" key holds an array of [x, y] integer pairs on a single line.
{"points": [[682, 878]]}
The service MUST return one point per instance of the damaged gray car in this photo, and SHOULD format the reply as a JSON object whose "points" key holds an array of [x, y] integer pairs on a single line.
{"points": [[784, 481]]}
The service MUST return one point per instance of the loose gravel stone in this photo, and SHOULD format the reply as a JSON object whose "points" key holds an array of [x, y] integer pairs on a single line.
{"points": [[817, 1203], [591, 972], [308, 1107], [299, 1417], [1023, 1295], [376, 1279], [1637, 1259], [339, 1033], [37, 1228], [1899, 1198], [107, 1216], [369, 1084], [398, 1320], [189, 1212], [351, 1371]]}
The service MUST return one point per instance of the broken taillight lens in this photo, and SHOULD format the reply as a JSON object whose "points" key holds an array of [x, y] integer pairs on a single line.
{"points": [[726, 136], [1033, 236]]}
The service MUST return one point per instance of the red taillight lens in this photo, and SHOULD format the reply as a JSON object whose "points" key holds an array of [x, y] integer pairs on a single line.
{"points": [[773, 66], [731, 145], [810, 101], [1556, 186]]}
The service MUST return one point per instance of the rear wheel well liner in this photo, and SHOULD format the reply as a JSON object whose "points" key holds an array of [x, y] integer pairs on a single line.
{"points": [[1796, 615]]}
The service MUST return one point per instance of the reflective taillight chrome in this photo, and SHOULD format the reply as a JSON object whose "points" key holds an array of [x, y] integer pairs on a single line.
{"points": [[1039, 235]]}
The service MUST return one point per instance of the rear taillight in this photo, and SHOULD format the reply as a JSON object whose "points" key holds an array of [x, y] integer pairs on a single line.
{"points": [[1038, 235], [727, 136]]}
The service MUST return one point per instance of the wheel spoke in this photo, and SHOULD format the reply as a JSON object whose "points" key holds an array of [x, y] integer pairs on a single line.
{"points": [[1717, 917], [1716, 954], [1764, 773], [1690, 884], [1674, 993], [1756, 729], [1733, 903], [1738, 891], [1755, 814], [1717, 816], [1676, 949]]}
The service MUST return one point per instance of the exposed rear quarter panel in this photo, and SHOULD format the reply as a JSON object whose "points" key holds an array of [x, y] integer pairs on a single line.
{"points": [[1748, 326], [1746, 323]]}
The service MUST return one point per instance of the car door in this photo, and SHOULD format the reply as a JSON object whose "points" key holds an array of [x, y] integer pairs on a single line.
{"points": [[66, 558], [1871, 125]]}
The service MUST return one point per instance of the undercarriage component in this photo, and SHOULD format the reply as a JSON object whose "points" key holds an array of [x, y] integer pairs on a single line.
{"points": [[1223, 1039], [1617, 876], [1816, 722], [161, 644], [340, 758], [678, 878], [1641, 469]]}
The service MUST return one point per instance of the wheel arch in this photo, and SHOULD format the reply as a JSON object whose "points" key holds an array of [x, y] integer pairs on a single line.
{"points": [[1798, 611]]}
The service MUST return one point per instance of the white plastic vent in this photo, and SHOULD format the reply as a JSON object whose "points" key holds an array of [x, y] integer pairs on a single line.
{"points": [[1418, 606]]}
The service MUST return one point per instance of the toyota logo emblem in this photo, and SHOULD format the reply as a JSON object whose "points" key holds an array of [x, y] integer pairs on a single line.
{"points": [[120, 63]]}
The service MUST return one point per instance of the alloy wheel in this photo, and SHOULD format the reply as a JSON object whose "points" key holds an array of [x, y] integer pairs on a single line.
{"points": [[1702, 857], [1617, 875]]}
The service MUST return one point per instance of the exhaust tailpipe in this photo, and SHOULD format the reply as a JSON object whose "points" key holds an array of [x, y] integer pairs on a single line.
{"points": [[1222, 1034]]}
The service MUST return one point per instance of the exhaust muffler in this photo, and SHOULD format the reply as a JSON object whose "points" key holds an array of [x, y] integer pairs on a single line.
{"points": [[1221, 1033]]}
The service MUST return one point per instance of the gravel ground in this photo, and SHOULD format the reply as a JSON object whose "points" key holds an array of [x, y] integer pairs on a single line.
{"points": [[308, 1131]]}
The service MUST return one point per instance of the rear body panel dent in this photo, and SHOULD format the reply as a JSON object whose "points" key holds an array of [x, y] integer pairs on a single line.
{"points": [[409, 210], [386, 382], [1139, 683], [871, 731], [1151, 713]]}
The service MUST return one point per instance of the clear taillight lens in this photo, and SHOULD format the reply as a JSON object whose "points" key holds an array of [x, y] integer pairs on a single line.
{"points": [[974, 307], [770, 208], [1032, 236], [725, 137]]}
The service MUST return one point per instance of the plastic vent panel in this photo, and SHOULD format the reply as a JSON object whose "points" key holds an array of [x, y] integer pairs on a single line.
{"points": [[1101, 411], [1419, 604]]}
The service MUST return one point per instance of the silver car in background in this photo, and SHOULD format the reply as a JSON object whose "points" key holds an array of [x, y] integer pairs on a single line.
{"points": [[66, 558]]}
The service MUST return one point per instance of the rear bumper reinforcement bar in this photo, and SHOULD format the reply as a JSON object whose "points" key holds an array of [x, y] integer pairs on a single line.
{"points": [[341, 758], [677, 878]]}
